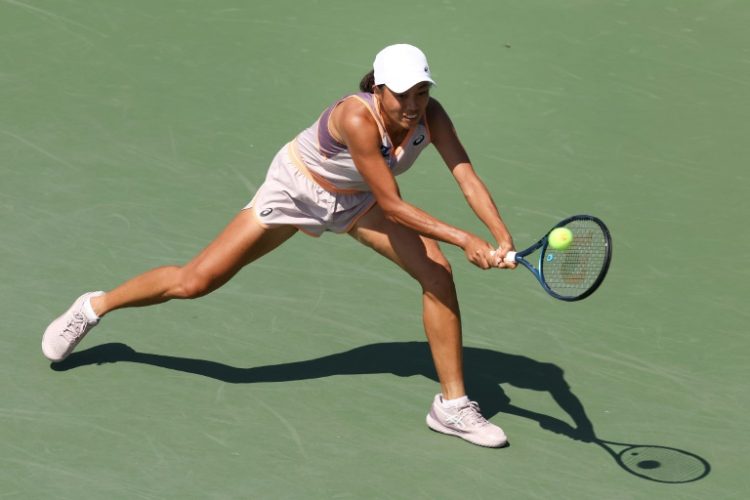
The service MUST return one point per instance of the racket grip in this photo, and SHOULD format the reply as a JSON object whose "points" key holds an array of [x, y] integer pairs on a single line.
{"points": [[510, 257]]}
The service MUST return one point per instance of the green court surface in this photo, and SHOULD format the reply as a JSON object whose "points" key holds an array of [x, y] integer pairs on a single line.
{"points": [[131, 132]]}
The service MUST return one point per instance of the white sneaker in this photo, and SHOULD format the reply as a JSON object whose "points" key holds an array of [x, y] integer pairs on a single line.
{"points": [[64, 334], [465, 422]]}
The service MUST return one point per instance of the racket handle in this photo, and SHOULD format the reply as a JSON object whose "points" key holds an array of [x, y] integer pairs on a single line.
{"points": [[510, 257]]}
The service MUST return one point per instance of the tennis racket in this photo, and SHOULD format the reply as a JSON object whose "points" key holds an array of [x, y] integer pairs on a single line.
{"points": [[577, 271]]}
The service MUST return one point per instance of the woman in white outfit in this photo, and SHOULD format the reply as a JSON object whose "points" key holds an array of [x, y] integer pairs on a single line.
{"points": [[339, 175]]}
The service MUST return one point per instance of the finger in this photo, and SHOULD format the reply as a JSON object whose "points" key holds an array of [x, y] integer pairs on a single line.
{"points": [[508, 264], [500, 262], [495, 258], [489, 260], [481, 264]]}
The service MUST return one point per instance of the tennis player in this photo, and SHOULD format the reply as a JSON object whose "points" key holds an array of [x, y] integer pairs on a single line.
{"points": [[339, 175]]}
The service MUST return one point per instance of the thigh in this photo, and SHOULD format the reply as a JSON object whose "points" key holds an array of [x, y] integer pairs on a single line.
{"points": [[418, 255], [241, 242]]}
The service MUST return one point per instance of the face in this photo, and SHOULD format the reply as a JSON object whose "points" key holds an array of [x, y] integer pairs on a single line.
{"points": [[403, 111]]}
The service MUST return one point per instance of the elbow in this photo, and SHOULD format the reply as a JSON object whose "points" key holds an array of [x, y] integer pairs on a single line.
{"points": [[472, 190]]}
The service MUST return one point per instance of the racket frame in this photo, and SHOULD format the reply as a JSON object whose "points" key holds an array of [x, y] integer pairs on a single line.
{"points": [[542, 244]]}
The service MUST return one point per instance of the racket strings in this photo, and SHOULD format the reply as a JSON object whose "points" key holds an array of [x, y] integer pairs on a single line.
{"points": [[574, 270]]}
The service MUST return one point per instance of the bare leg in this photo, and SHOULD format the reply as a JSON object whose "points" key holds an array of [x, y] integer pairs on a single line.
{"points": [[422, 259], [241, 242]]}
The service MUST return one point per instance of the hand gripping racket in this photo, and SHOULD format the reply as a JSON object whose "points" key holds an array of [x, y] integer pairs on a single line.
{"points": [[577, 271]]}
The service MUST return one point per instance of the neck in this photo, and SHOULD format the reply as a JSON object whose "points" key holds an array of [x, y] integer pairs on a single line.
{"points": [[395, 132]]}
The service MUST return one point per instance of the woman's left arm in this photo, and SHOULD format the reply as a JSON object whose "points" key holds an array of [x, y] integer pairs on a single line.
{"points": [[480, 200]]}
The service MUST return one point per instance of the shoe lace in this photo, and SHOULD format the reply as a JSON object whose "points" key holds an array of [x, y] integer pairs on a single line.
{"points": [[468, 415], [75, 327]]}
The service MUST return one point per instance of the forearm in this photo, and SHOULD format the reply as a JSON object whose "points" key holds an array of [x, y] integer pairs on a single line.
{"points": [[425, 224], [481, 202]]}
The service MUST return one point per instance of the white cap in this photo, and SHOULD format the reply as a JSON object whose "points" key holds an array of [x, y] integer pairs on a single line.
{"points": [[400, 67]]}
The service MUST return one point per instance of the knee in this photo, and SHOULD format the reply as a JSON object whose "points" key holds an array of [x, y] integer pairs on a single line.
{"points": [[437, 278], [441, 268], [191, 284]]}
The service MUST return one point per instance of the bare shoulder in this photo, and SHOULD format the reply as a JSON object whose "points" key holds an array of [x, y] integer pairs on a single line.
{"points": [[351, 118], [437, 117], [444, 135], [434, 105]]}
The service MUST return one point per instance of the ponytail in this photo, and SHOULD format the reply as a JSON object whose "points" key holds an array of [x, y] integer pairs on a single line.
{"points": [[367, 82]]}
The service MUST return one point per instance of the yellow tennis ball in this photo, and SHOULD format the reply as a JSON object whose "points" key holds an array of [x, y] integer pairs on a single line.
{"points": [[560, 238]]}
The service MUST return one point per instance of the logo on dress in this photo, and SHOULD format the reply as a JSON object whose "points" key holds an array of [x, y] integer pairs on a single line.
{"points": [[419, 140], [265, 212], [385, 150]]}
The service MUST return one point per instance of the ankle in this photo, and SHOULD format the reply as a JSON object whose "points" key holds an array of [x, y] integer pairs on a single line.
{"points": [[97, 305], [452, 390], [456, 402]]}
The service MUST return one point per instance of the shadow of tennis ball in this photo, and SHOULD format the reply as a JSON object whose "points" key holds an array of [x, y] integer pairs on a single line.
{"points": [[649, 464]]}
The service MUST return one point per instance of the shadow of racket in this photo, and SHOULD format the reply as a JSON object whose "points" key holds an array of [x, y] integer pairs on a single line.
{"points": [[657, 463]]}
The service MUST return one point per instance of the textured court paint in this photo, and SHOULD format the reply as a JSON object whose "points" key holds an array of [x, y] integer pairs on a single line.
{"points": [[130, 133]]}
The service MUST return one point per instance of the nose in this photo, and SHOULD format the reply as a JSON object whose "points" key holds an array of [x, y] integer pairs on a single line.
{"points": [[411, 104]]}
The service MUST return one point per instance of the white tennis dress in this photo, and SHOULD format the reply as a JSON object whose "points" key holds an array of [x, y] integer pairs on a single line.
{"points": [[313, 184]]}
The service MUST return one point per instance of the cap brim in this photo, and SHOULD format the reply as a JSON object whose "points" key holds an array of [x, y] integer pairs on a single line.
{"points": [[403, 86]]}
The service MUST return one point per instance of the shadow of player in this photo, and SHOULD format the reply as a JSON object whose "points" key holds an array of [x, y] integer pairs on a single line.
{"points": [[485, 371]]}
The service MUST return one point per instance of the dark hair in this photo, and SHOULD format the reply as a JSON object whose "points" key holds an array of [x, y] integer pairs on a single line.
{"points": [[367, 82]]}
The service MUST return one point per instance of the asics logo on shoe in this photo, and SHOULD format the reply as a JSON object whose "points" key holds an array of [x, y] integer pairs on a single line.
{"points": [[75, 327], [465, 422], [456, 420]]}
